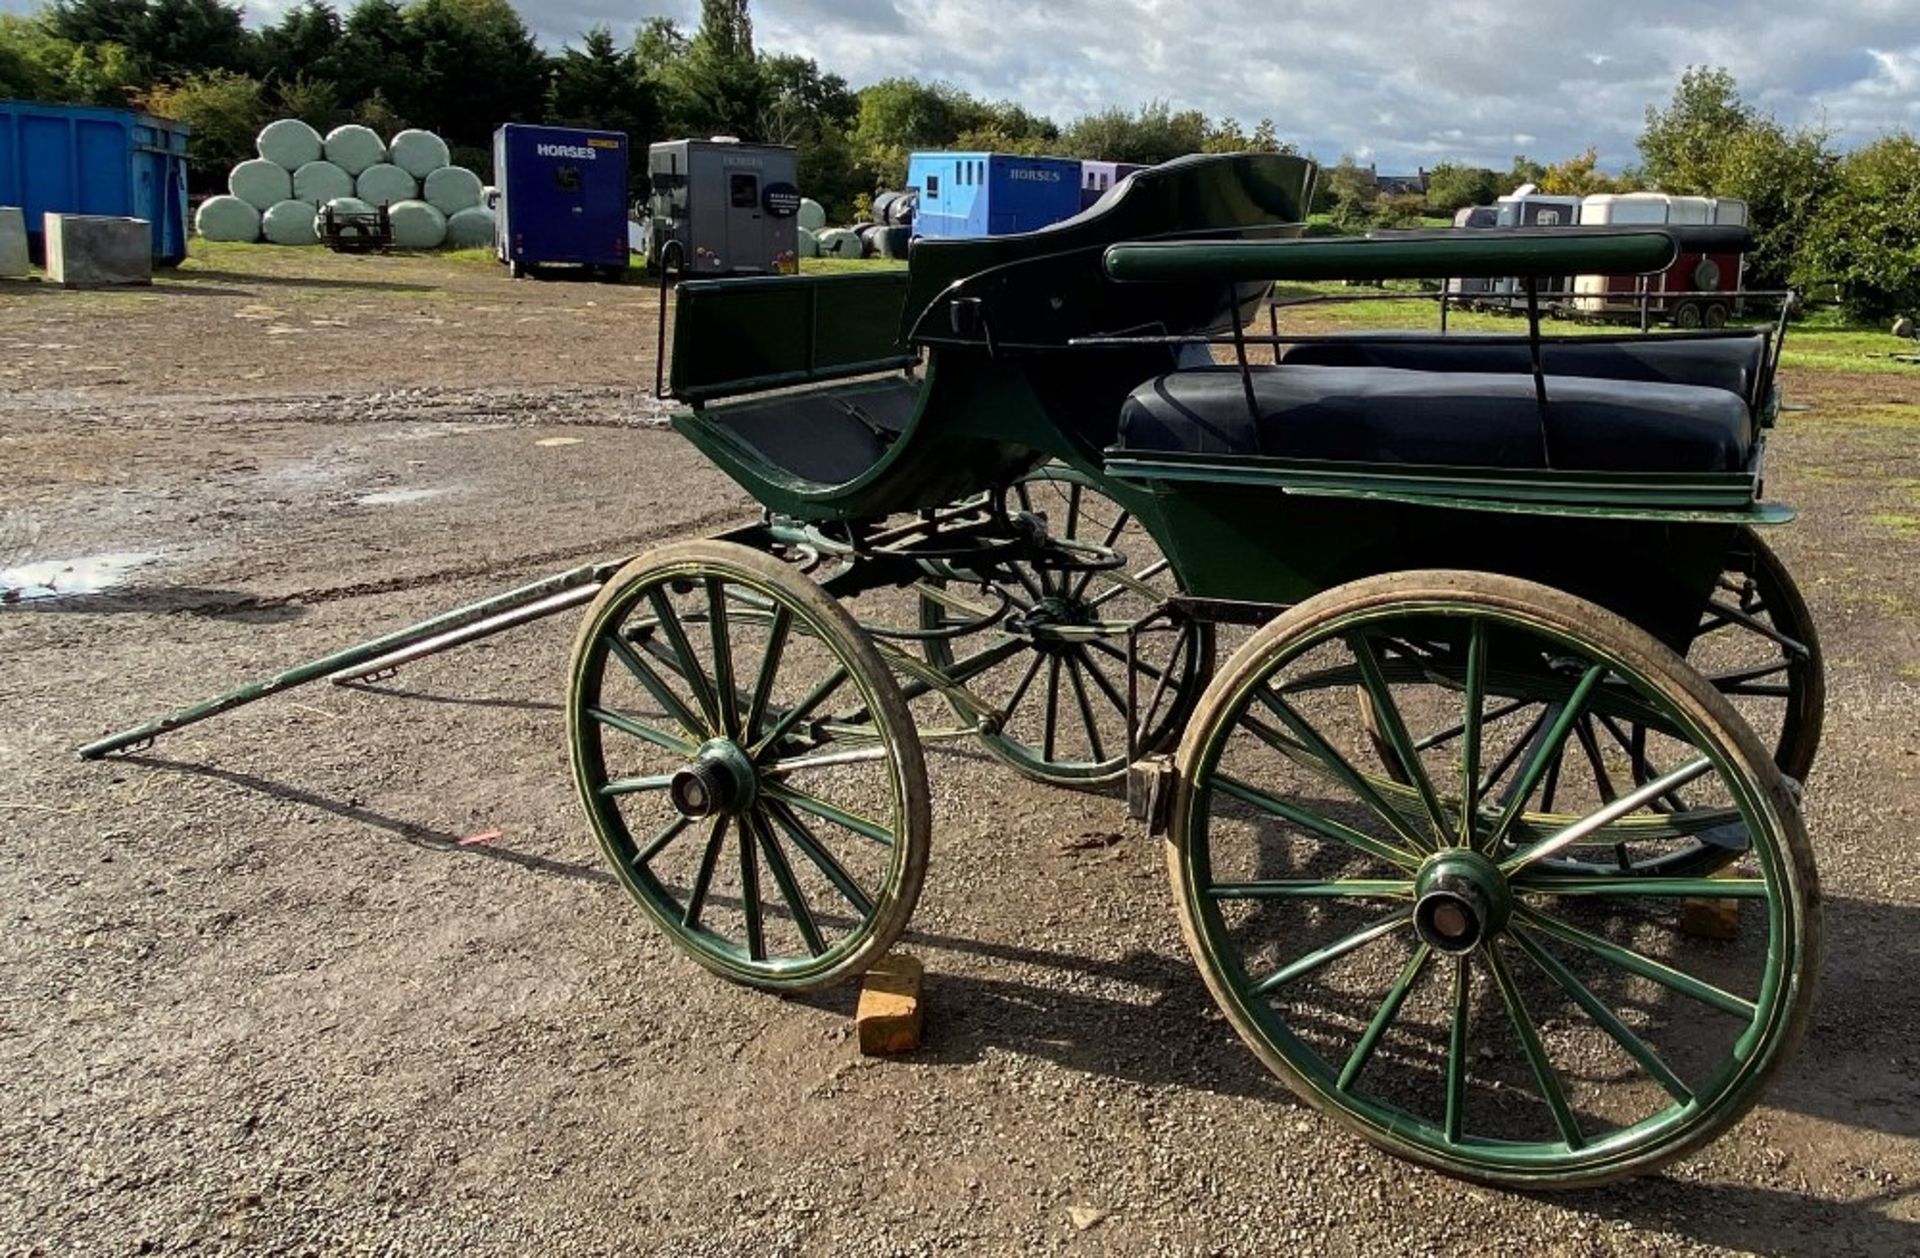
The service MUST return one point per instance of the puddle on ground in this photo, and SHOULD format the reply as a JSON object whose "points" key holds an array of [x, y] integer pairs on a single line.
{"points": [[66, 578], [396, 497]]}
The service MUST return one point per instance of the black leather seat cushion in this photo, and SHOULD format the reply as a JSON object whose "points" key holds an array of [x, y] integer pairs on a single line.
{"points": [[1732, 363], [1463, 419]]}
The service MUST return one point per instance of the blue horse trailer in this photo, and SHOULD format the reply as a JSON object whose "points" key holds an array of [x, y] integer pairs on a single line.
{"points": [[563, 198], [991, 194], [83, 159]]}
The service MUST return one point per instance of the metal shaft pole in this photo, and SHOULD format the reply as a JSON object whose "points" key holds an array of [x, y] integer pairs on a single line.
{"points": [[354, 656]]}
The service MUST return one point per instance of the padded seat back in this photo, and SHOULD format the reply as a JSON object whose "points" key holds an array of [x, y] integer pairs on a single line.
{"points": [[1733, 362], [1388, 415]]}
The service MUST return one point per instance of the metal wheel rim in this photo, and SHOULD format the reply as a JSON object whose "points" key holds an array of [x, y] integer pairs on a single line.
{"points": [[1777, 1006]]}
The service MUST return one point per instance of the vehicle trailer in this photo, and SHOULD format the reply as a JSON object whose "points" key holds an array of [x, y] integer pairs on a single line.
{"points": [[1701, 289]]}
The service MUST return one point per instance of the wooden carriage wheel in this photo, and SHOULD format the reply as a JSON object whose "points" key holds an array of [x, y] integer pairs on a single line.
{"points": [[1411, 959], [1063, 692], [774, 841]]}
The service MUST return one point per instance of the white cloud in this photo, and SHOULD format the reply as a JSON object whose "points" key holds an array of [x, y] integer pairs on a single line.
{"points": [[1413, 85]]}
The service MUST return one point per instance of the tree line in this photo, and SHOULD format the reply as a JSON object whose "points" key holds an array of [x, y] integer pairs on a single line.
{"points": [[1847, 223]]}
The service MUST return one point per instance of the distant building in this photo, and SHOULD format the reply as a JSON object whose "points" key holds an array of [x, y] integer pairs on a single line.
{"points": [[1400, 185]]}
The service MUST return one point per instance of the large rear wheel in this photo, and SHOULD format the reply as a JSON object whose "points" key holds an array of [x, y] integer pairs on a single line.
{"points": [[1059, 664], [1458, 972]]}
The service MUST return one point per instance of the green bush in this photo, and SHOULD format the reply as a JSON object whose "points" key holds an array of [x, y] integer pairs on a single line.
{"points": [[1865, 239]]}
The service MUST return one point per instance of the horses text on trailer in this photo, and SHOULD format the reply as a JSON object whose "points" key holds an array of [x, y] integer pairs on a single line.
{"points": [[563, 198], [1701, 287], [991, 194], [730, 207]]}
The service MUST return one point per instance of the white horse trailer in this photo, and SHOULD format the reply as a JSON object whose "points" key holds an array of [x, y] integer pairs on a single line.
{"points": [[1700, 289]]}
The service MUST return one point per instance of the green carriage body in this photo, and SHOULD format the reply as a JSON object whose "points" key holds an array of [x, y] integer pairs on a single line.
{"points": [[1032, 344]]}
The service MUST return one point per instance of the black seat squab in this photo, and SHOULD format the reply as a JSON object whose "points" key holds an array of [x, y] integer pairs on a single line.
{"points": [[1385, 415]]}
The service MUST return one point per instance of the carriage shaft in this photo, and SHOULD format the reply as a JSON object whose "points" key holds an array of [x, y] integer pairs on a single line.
{"points": [[502, 611]]}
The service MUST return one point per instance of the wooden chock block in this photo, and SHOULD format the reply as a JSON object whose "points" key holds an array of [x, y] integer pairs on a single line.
{"points": [[1706, 918], [889, 1016]]}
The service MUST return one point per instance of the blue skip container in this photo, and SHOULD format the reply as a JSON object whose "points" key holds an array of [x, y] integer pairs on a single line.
{"points": [[83, 159]]}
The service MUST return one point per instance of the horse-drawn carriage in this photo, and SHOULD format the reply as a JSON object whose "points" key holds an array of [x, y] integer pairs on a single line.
{"points": [[1432, 825]]}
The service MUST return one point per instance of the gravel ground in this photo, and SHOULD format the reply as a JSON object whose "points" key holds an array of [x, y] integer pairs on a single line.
{"points": [[258, 996]]}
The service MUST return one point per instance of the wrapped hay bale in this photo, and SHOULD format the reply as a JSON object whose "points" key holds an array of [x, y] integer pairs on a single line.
{"points": [[289, 223], [341, 207], [807, 245], [812, 215], [228, 218], [451, 189], [353, 148], [317, 183], [289, 143], [471, 228], [419, 153], [383, 183], [892, 242], [261, 183], [838, 242], [417, 225]]}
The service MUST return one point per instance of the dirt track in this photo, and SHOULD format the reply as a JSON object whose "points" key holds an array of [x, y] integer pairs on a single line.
{"points": [[258, 996]]}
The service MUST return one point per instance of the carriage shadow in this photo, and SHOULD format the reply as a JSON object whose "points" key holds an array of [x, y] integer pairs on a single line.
{"points": [[409, 832]]}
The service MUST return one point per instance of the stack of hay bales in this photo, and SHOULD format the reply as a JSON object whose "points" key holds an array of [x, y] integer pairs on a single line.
{"points": [[279, 196]]}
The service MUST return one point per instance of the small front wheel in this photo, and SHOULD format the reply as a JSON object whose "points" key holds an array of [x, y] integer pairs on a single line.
{"points": [[1461, 973], [749, 765]]}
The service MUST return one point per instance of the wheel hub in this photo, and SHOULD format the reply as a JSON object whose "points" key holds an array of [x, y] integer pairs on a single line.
{"points": [[1460, 901], [720, 779]]}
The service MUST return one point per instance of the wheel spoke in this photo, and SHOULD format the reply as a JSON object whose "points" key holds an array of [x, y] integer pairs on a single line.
{"points": [[750, 894], [769, 665], [810, 846], [1590, 744], [696, 676], [1322, 957], [717, 627], [1086, 710], [1543, 1072], [1383, 1018], [1636, 963], [1101, 680], [656, 686], [642, 730], [1476, 685], [799, 711], [1053, 707], [658, 843], [1663, 888], [825, 760], [1325, 827], [1632, 801], [1387, 713], [1552, 743], [1313, 889], [789, 888], [1020, 691], [829, 812], [1513, 753], [962, 671], [1337, 764], [1791, 646], [702, 880], [1456, 1103], [1108, 648], [1604, 1017], [1454, 731], [636, 786]]}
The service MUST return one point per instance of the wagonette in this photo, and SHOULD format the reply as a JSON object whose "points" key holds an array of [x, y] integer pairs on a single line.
{"points": [[1524, 686]]}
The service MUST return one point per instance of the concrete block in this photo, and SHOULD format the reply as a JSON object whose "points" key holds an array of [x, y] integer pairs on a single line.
{"points": [[889, 1016], [13, 243], [97, 250]]}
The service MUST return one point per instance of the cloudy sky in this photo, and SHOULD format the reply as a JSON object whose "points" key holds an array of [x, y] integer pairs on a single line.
{"points": [[1402, 85]]}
